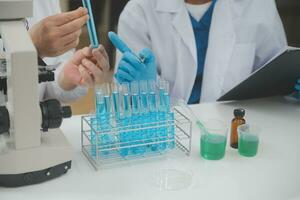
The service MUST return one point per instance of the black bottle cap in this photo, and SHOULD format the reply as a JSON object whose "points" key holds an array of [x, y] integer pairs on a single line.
{"points": [[240, 112]]}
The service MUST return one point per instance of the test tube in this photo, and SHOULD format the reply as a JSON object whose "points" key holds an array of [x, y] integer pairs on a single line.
{"points": [[152, 114], [107, 99], [91, 24], [116, 100], [135, 97], [125, 135], [125, 88], [103, 123], [163, 113], [144, 96], [152, 96], [136, 119], [99, 99]]}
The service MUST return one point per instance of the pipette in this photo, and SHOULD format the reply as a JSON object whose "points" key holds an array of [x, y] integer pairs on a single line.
{"points": [[121, 45], [91, 24], [188, 109]]}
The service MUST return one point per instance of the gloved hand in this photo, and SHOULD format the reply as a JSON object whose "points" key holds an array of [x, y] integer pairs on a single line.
{"points": [[132, 69], [131, 66]]}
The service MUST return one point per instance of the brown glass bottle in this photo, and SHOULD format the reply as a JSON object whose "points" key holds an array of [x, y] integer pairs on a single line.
{"points": [[236, 121]]}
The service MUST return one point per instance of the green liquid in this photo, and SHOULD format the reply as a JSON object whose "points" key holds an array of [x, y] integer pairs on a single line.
{"points": [[248, 145], [213, 146]]}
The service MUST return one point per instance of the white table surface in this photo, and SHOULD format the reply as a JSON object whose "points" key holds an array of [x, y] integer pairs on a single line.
{"points": [[273, 174]]}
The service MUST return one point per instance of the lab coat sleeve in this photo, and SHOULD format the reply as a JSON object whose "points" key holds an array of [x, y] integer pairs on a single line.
{"points": [[54, 91], [274, 39], [133, 28]]}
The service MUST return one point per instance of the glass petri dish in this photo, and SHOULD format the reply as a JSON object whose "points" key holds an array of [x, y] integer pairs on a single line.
{"points": [[172, 179]]}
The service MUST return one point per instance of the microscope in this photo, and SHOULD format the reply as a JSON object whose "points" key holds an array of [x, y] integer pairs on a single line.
{"points": [[35, 148]]}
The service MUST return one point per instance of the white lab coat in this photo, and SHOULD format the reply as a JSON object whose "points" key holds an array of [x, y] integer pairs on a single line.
{"points": [[42, 9], [244, 35]]}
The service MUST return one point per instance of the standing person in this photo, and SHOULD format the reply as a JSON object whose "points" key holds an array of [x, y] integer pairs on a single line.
{"points": [[56, 35], [202, 47]]}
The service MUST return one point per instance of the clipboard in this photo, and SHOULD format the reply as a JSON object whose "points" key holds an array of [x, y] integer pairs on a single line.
{"points": [[277, 78]]}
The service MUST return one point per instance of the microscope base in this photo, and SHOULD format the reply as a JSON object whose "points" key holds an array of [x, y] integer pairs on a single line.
{"points": [[37, 164], [36, 177]]}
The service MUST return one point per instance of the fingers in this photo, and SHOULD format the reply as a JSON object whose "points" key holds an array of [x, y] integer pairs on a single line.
{"points": [[86, 77], [69, 46], [104, 53], [118, 43], [71, 38], [73, 26], [126, 67], [124, 76], [64, 18], [133, 61], [147, 55], [95, 71], [102, 58], [81, 54]]}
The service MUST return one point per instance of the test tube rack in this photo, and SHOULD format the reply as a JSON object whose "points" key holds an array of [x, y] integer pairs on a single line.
{"points": [[117, 152]]}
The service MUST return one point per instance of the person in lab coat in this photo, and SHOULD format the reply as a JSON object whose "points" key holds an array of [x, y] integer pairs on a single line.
{"points": [[55, 36], [202, 47]]}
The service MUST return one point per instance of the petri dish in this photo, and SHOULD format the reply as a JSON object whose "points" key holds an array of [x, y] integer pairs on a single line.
{"points": [[173, 179]]}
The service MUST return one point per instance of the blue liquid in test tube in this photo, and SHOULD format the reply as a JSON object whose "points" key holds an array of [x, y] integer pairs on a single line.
{"points": [[162, 114], [125, 135], [116, 101], [153, 108], [136, 119], [91, 24], [103, 121], [145, 114]]}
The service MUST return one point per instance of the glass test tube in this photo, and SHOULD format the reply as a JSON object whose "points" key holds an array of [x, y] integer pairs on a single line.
{"points": [[153, 108], [163, 113], [116, 100], [99, 99], [125, 135], [97, 123], [107, 99], [152, 96], [136, 119], [135, 97], [144, 96], [125, 88]]}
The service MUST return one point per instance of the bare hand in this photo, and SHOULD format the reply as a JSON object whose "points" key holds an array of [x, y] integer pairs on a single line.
{"points": [[87, 67], [57, 34]]}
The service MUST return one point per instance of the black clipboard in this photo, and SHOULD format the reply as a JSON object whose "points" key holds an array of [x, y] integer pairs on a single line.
{"points": [[276, 78]]}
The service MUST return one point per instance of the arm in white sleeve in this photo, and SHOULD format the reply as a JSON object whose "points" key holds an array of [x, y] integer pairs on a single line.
{"points": [[133, 29], [272, 38], [54, 91]]}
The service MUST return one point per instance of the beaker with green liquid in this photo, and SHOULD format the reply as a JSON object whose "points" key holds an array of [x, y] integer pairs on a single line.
{"points": [[213, 140], [248, 140]]}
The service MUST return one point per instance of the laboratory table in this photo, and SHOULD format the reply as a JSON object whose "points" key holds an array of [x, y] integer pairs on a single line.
{"points": [[273, 174]]}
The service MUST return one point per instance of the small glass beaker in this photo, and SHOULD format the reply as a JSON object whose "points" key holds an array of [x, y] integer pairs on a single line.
{"points": [[248, 140], [213, 139]]}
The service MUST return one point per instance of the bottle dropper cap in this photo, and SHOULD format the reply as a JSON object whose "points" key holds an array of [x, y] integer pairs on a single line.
{"points": [[240, 112]]}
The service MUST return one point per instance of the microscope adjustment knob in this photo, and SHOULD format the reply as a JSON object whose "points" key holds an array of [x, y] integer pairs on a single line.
{"points": [[53, 114], [66, 112], [4, 120]]}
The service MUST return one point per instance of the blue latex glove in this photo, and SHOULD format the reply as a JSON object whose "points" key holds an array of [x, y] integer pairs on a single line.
{"points": [[131, 66]]}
